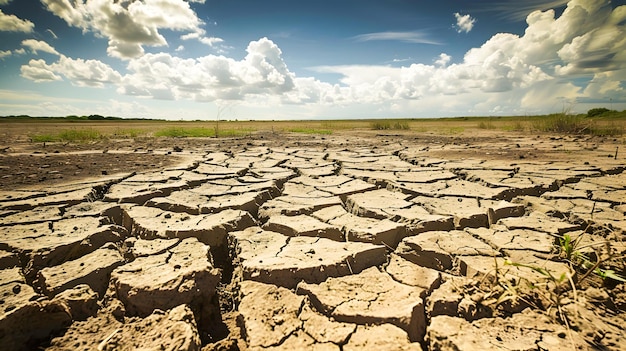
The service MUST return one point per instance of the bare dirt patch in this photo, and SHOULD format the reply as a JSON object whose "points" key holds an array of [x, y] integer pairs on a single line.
{"points": [[57, 167]]}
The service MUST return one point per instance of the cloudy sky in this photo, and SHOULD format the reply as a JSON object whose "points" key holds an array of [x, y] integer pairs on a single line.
{"points": [[285, 59]]}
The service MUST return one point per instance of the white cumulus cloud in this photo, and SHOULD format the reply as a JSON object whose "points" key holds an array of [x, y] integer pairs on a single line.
{"points": [[128, 25], [163, 76], [200, 35], [607, 84], [12, 23], [91, 73], [88, 73], [211, 41], [38, 71], [443, 60], [36, 46], [599, 49], [464, 23]]}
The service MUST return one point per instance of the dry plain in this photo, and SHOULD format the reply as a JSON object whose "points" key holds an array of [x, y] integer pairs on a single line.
{"points": [[446, 237]]}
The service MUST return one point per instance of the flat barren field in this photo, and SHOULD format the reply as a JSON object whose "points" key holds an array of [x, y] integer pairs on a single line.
{"points": [[460, 234]]}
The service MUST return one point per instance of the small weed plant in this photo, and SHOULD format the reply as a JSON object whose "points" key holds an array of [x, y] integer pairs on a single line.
{"points": [[598, 261], [596, 258], [551, 289]]}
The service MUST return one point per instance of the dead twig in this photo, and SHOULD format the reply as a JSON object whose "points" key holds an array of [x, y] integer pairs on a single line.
{"points": [[106, 340]]}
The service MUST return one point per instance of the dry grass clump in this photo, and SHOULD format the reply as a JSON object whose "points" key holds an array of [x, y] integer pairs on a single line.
{"points": [[488, 124], [388, 124], [563, 123], [180, 132]]}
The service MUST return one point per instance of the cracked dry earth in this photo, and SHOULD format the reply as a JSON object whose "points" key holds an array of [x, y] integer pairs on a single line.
{"points": [[376, 244]]}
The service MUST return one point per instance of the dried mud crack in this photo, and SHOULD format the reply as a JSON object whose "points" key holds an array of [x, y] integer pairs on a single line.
{"points": [[318, 244]]}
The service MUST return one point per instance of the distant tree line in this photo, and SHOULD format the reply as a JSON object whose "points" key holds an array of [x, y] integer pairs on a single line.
{"points": [[594, 112], [81, 118], [92, 118]]}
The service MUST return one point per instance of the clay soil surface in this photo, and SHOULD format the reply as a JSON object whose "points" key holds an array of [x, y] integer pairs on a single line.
{"points": [[357, 240]]}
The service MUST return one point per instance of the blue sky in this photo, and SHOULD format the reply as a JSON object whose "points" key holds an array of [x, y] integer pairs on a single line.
{"points": [[280, 59]]}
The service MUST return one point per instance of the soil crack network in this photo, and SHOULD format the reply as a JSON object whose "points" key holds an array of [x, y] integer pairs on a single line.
{"points": [[310, 243]]}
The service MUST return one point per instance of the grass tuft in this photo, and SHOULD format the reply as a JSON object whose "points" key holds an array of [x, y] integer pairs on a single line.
{"points": [[80, 135], [43, 138], [562, 123], [192, 132], [380, 125], [611, 129], [386, 125], [486, 125]]}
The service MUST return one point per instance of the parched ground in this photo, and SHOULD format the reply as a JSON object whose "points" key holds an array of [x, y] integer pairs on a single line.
{"points": [[352, 241]]}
